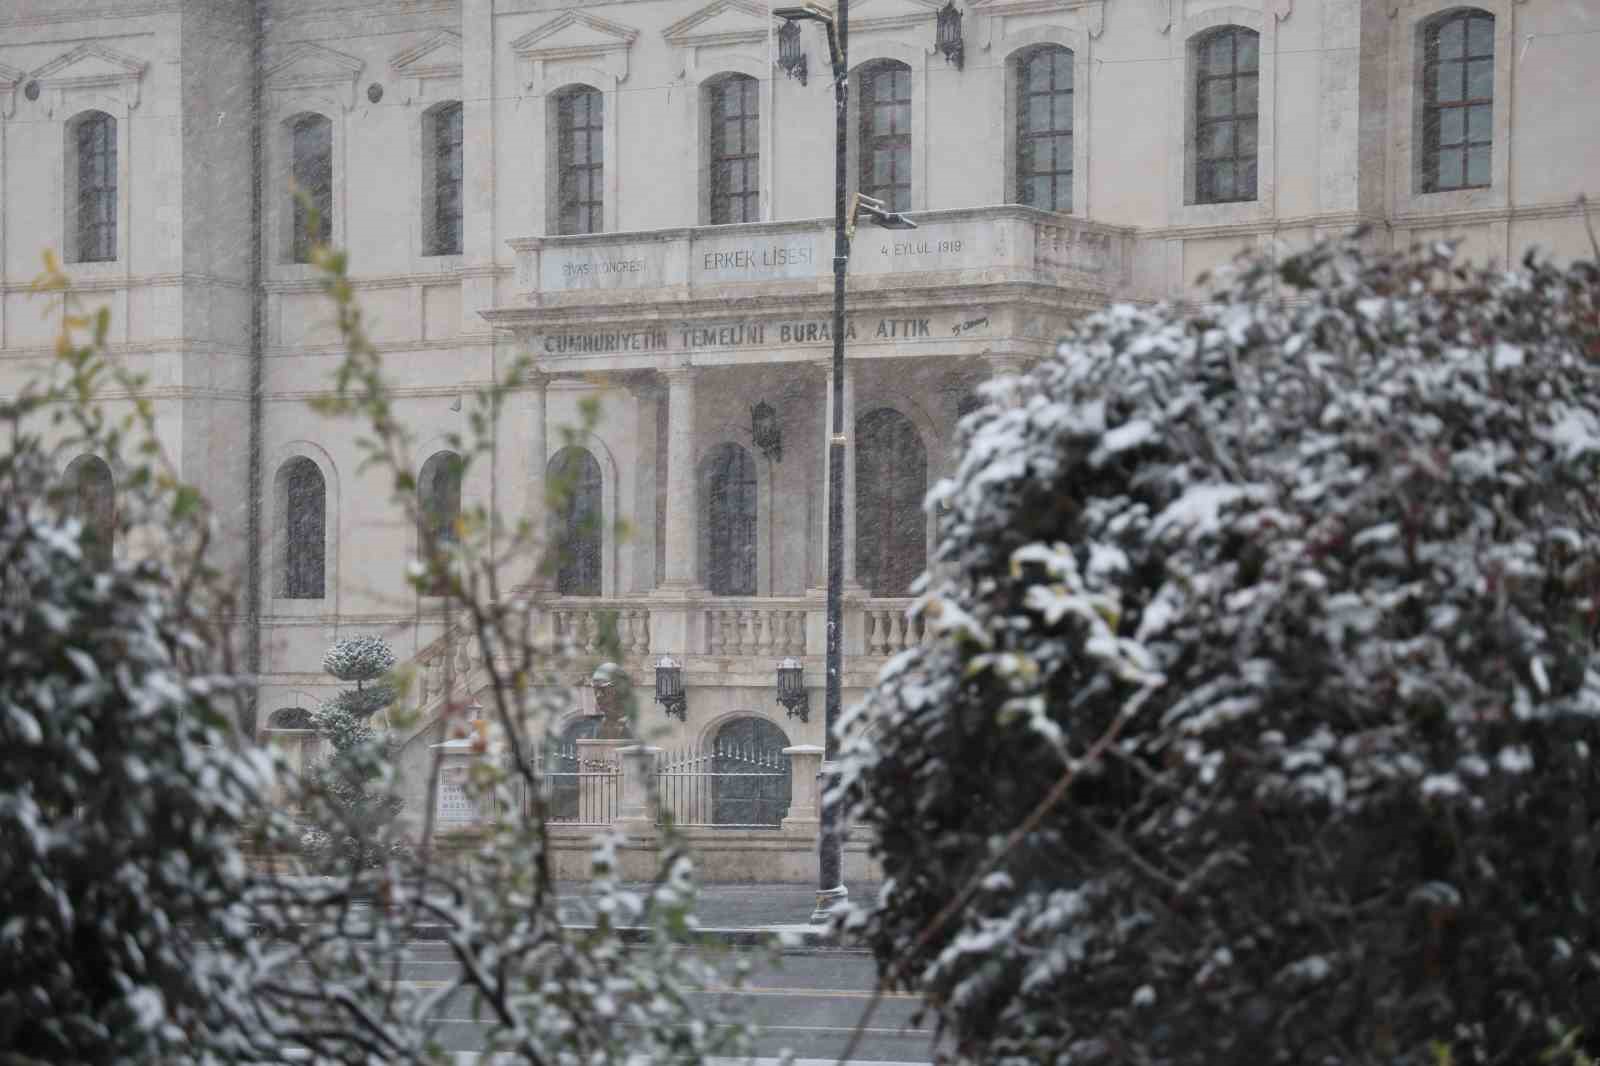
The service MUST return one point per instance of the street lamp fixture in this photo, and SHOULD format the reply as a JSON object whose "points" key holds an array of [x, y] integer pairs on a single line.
{"points": [[790, 55], [669, 688], [792, 17], [948, 38], [875, 210], [792, 689]]}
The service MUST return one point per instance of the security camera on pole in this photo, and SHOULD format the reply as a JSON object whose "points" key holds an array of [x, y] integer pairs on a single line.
{"points": [[830, 866]]}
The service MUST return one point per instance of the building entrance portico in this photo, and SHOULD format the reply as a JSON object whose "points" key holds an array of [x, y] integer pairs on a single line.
{"points": [[684, 333]]}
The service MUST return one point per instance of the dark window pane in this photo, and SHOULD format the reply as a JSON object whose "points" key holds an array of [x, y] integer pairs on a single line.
{"points": [[1478, 165], [1480, 123], [1480, 35], [1247, 180], [731, 518], [1447, 82], [1245, 138], [1218, 98], [1218, 140], [891, 479], [1480, 79], [1449, 168], [1452, 37], [1452, 126], [1219, 54], [1249, 51]]}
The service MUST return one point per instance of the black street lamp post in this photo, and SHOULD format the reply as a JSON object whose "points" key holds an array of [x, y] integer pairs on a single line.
{"points": [[830, 852]]}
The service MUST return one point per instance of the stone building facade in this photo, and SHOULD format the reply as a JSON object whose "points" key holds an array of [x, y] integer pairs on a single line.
{"points": [[637, 196]]}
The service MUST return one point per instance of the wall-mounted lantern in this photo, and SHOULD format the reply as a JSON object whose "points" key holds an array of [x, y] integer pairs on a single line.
{"points": [[792, 689], [948, 40], [766, 431], [790, 56], [669, 688]]}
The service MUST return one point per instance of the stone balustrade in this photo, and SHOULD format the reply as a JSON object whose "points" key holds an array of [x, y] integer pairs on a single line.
{"points": [[580, 620], [763, 627], [886, 629]]}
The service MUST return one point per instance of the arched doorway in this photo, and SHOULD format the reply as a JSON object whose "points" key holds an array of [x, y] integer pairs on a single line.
{"points": [[731, 521], [891, 481], [752, 783], [91, 498], [576, 532]]}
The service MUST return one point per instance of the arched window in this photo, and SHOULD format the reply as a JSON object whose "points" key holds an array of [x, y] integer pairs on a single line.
{"points": [[751, 786], [891, 480], [580, 160], [731, 521], [302, 493], [439, 499], [577, 534], [1227, 65], [1458, 101], [885, 134], [442, 177], [562, 767], [311, 149], [92, 187], [91, 498], [1044, 128], [734, 106]]}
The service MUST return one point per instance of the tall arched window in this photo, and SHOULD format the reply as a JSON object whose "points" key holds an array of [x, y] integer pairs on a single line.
{"points": [[885, 133], [1458, 101], [891, 480], [92, 187], [1044, 128], [578, 521], [752, 786], [311, 148], [91, 498], [1227, 64], [731, 521], [303, 495], [580, 160], [442, 178], [734, 105], [439, 498]]}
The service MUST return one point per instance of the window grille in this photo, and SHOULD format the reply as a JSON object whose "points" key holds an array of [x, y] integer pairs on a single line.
{"points": [[305, 530], [885, 134], [735, 105], [579, 520], [1458, 102], [95, 140], [1226, 92], [312, 138], [447, 175], [731, 554], [1044, 129], [580, 122]]}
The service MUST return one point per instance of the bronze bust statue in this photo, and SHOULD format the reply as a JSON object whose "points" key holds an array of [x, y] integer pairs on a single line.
{"points": [[611, 700]]}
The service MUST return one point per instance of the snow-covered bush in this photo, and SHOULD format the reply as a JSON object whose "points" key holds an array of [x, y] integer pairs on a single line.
{"points": [[352, 803], [1278, 616], [121, 805]]}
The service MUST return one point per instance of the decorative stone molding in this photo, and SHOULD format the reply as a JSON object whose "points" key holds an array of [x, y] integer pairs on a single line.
{"points": [[873, 16], [1091, 14], [10, 78], [311, 66], [578, 38], [93, 66], [716, 28], [436, 57]]}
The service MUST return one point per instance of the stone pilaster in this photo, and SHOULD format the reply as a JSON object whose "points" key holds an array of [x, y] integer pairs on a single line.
{"points": [[683, 512]]}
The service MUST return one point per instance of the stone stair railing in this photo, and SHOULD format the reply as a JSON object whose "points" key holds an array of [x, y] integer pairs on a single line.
{"points": [[887, 630]]}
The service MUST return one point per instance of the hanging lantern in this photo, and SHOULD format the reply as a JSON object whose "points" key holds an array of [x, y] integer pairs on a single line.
{"points": [[669, 688], [766, 432], [790, 56], [792, 689], [948, 40]]}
